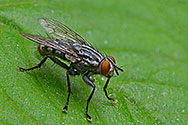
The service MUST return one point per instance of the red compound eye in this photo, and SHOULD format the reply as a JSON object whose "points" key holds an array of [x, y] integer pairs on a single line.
{"points": [[112, 58], [105, 67]]}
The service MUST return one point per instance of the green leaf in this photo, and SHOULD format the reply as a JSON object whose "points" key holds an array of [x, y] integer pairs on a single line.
{"points": [[147, 38]]}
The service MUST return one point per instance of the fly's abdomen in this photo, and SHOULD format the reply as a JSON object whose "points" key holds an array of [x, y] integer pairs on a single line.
{"points": [[45, 50], [40, 49]]}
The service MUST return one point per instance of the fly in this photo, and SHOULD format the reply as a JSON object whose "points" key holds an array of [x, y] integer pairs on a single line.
{"points": [[69, 46]]}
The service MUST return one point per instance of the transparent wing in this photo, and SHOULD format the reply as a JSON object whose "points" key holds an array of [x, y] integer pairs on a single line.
{"points": [[60, 31], [61, 45]]}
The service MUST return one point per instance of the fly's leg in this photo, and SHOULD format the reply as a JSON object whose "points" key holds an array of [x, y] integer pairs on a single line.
{"points": [[35, 67], [69, 92], [57, 61], [88, 81], [69, 72], [73, 73], [114, 100]]}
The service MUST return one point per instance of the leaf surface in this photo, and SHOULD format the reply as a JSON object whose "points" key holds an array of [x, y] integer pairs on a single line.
{"points": [[147, 38]]}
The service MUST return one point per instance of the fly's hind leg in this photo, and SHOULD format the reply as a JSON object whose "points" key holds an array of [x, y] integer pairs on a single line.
{"points": [[57, 61], [69, 72], [34, 67]]}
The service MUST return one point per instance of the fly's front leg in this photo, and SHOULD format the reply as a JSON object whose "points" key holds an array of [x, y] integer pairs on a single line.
{"points": [[88, 81], [106, 85], [35, 67]]}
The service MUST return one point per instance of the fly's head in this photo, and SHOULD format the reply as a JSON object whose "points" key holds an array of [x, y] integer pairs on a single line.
{"points": [[107, 67]]}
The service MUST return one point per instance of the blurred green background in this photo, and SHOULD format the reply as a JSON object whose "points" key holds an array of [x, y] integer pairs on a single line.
{"points": [[148, 38]]}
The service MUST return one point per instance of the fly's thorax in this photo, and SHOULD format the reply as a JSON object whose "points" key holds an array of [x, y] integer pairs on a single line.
{"points": [[106, 67], [89, 56]]}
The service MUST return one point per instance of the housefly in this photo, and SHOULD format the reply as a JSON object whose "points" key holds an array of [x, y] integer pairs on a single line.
{"points": [[84, 60]]}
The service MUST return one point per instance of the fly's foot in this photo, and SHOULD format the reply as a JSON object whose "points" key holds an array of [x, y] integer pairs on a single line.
{"points": [[115, 100], [20, 69], [89, 118], [65, 109]]}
